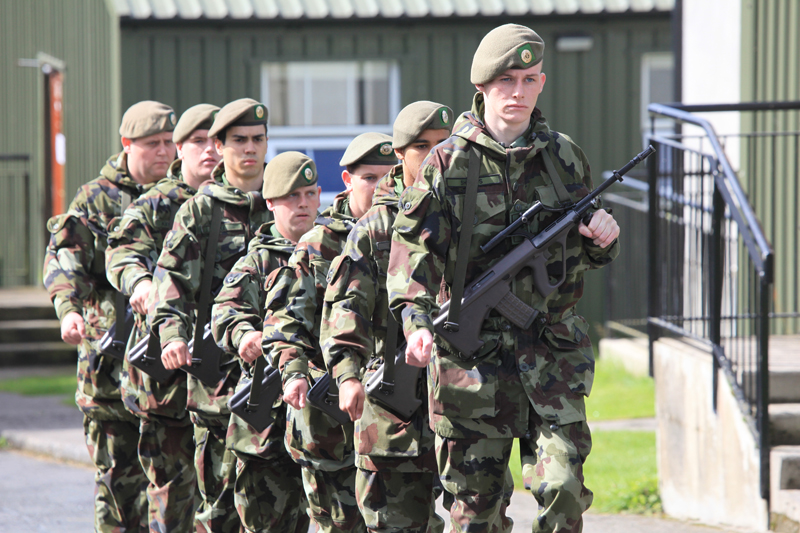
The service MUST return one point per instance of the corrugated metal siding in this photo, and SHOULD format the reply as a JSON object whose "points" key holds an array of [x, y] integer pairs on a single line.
{"points": [[81, 33]]}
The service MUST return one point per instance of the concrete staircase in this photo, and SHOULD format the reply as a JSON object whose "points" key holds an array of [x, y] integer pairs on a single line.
{"points": [[30, 333]]}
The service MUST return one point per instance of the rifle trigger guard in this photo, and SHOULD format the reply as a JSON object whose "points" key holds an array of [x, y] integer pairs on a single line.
{"points": [[386, 387], [451, 326]]}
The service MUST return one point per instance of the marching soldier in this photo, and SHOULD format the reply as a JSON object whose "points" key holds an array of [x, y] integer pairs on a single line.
{"points": [[166, 432], [318, 443], [395, 458], [240, 132], [269, 492], [75, 276], [524, 383]]}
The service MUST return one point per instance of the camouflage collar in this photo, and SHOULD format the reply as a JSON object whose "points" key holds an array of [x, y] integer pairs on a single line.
{"points": [[268, 237], [338, 217], [390, 187], [116, 171]]}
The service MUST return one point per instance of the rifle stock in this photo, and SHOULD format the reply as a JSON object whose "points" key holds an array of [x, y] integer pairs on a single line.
{"points": [[146, 356], [399, 397], [113, 343], [259, 414], [321, 397]]}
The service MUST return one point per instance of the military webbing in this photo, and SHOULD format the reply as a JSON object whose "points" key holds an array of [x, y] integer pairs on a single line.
{"points": [[558, 185], [120, 300], [464, 237], [208, 274], [255, 385]]}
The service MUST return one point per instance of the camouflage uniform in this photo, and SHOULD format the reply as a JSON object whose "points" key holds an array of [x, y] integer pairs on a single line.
{"points": [[74, 274], [395, 459], [526, 384], [176, 285], [322, 447], [166, 433], [269, 489]]}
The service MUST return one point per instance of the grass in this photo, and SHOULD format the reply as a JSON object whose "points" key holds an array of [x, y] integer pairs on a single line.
{"points": [[40, 385], [621, 470]]}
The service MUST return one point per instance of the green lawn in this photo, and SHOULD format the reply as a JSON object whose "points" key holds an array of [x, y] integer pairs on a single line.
{"points": [[621, 470], [40, 385]]}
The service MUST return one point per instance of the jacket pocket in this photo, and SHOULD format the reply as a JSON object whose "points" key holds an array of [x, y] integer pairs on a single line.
{"points": [[466, 389]]}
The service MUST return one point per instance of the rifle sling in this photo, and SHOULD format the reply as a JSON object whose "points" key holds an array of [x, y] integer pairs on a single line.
{"points": [[558, 185], [464, 238], [255, 385], [389, 354], [208, 275], [120, 300]]}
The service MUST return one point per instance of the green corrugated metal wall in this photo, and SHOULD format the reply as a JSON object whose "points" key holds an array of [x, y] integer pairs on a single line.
{"points": [[85, 36], [593, 96]]}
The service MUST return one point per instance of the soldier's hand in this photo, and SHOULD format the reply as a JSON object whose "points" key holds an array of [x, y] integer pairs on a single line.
{"points": [[250, 346], [602, 229], [73, 329], [418, 348], [175, 355], [295, 393], [351, 398], [139, 296]]}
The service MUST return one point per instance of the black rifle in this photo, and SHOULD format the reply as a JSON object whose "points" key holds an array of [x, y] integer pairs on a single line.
{"points": [[253, 403], [113, 341], [206, 363], [400, 394], [492, 288], [326, 400]]}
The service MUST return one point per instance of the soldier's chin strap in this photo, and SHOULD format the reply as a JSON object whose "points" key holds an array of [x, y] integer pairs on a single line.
{"points": [[464, 238]]}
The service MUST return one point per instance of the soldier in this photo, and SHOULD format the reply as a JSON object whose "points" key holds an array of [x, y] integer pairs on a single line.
{"points": [[240, 131], [319, 444], [395, 458], [529, 383], [165, 430], [269, 489], [74, 274]]}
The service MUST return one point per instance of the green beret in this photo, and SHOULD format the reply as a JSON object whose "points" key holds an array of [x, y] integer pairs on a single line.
{"points": [[505, 47], [369, 149], [286, 172], [199, 117], [146, 118], [418, 117], [242, 112]]}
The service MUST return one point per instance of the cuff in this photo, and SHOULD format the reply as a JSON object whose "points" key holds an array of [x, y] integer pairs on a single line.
{"points": [[146, 276], [66, 307], [414, 321], [240, 331], [295, 366], [168, 334]]}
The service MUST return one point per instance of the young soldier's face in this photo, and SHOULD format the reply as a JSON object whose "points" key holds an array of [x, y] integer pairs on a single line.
{"points": [[512, 96], [199, 155], [361, 183], [244, 151], [415, 153], [295, 213], [149, 157]]}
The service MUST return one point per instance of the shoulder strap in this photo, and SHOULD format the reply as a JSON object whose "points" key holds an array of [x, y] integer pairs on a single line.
{"points": [[208, 272], [464, 238], [558, 185], [120, 300]]}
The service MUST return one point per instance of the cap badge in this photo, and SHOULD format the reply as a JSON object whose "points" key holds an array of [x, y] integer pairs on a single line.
{"points": [[445, 117], [386, 149], [309, 174], [172, 118], [526, 56], [260, 111]]}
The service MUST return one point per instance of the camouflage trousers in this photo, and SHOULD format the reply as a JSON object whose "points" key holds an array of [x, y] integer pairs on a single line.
{"points": [[394, 501], [269, 495], [215, 465], [119, 501], [332, 500], [165, 452], [552, 466]]}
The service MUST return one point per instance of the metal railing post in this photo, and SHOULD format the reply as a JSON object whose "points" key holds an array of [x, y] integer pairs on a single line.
{"points": [[653, 301]]}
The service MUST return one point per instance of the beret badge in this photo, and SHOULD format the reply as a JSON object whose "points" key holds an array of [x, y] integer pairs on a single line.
{"points": [[386, 149], [308, 174], [260, 112]]}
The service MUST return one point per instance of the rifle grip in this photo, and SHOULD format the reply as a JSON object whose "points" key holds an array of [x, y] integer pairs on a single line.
{"points": [[541, 280]]}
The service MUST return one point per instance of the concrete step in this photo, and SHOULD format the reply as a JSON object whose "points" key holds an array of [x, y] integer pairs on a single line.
{"points": [[25, 303], [785, 489], [33, 330], [784, 424], [37, 353]]}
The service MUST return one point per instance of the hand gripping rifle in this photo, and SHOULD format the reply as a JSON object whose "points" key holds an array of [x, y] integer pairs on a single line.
{"points": [[324, 395], [253, 403], [492, 289]]}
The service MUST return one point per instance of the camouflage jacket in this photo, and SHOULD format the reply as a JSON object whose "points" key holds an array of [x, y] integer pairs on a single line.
{"points": [[552, 362], [294, 304], [354, 325], [133, 249], [179, 271]]}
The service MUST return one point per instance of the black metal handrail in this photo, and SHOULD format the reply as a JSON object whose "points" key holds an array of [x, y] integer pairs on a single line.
{"points": [[711, 264]]}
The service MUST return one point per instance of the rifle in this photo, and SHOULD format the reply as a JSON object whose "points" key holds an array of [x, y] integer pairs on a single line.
{"points": [[323, 398], [206, 365], [113, 341], [253, 403], [492, 289], [400, 395]]}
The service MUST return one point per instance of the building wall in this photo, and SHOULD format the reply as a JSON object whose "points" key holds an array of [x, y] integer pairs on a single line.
{"points": [[83, 35]]}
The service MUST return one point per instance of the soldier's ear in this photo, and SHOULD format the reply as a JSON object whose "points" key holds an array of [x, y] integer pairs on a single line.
{"points": [[126, 145], [270, 205], [218, 145], [347, 179], [481, 88], [400, 153]]}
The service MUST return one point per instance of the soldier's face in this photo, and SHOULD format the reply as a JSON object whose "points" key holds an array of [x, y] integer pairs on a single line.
{"points": [[295, 213], [415, 153], [361, 183], [199, 156], [149, 157], [511, 97], [244, 151]]}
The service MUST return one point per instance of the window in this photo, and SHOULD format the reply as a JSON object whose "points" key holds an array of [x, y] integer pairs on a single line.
{"points": [[658, 86]]}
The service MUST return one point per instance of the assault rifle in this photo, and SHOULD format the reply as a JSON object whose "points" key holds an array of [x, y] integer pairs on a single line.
{"points": [[492, 289], [253, 403], [206, 364]]}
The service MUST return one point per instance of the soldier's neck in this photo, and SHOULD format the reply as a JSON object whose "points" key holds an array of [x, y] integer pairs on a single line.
{"points": [[190, 178], [504, 132], [244, 183]]}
